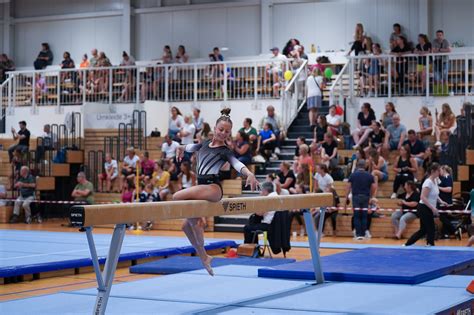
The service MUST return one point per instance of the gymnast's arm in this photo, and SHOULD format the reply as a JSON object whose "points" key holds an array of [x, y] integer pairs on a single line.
{"points": [[242, 169]]}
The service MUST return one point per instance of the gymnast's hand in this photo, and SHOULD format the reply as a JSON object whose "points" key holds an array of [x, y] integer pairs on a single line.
{"points": [[252, 182]]}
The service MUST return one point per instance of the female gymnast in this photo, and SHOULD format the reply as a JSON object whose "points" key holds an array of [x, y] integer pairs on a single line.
{"points": [[211, 155]]}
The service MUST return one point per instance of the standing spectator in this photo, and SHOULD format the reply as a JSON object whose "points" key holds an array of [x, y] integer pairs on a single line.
{"points": [[167, 56], [329, 152], [67, 63], [84, 190], [362, 186], [147, 167], [181, 55], [260, 221], [26, 185], [446, 194], [409, 201], [417, 148], [359, 36], [249, 130], [94, 58], [175, 122], [129, 165], [445, 121], [364, 120], [286, 176], [215, 70], [198, 121], [387, 116], [109, 174], [6, 65], [441, 63], [426, 122], [241, 148], [45, 57], [127, 60], [405, 169], [375, 65], [267, 142], [187, 131], [397, 32], [49, 141], [426, 209], [84, 62], [277, 125], [23, 137], [161, 179], [396, 134], [314, 95], [187, 178], [401, 63], [168, 148], [423, 48], [334, 121]]}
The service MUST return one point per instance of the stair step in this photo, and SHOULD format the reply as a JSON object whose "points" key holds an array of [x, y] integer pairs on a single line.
{"points": [[238, 228]]}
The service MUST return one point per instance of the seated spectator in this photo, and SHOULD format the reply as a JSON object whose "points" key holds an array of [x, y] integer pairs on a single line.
{"points": [[94, 58], [128, 189], [17, 163], [289, 46], [67, 62], [378, 168], [444, 140], [299, 141], [396, 134], [377, 137], [441, 63], [23, 137], [168, 148], [417, 148], [275, 69], [128, 77], [314, 91], [260, 221], [109, 174], [205, 134], [423, 48], [147, 167], [361, 154], [329, 155], [25, 185], [387, 116], [84, 190], [187, 131], [305, 157], [364, 120], [49, 141], [175, 122], [181, 55], [129, 165], [431, 156], [277, 126], [409, 201], [3, 195], [320, 130], [241, 148], [127, 60], [405, 169], [198, 121], [267, 142], [286, 176], [6, 65], [161, 179], [45, 57], [187, 178], [101, 78], [302, 176], [103, 60], [445, 121], [446, 195], [426, 122], [84, 62], [334, 121], [323, 182], [249, 130]]}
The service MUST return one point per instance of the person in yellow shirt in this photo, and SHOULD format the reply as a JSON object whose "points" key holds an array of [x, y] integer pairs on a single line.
{"points": [[161, 179]]}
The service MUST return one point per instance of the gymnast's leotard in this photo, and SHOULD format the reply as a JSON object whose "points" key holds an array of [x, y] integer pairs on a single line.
{"points": [[210, 161]]}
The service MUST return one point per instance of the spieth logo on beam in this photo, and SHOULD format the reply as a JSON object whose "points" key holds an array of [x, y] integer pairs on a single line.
{"points": [[234, 206]]}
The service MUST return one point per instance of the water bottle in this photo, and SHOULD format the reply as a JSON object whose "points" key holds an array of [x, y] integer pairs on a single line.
{"points": [[313, 49], [319, 49]]}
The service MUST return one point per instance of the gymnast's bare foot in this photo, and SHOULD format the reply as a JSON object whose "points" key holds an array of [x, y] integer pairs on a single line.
{"points": [[207, 264]]}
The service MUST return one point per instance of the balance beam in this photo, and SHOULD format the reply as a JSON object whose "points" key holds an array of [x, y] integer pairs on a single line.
{"points": [[92, 215], [121, 214]]}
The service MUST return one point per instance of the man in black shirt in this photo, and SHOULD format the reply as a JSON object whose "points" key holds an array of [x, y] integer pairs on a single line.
{"points": [[24, 139], [417, 148], [401, 63]]}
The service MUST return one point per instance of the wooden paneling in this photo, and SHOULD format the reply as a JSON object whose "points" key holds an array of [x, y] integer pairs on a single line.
{"points": [[75, 157], [45, 183], [470, 157], [58, 170]]}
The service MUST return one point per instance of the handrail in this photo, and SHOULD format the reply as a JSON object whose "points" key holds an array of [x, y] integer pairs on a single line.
{"points": [[297, 73], [336, 82], [391, 55], [291, 96]]}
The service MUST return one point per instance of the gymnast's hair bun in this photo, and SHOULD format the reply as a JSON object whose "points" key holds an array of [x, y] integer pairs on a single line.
{"points": [[225, 112]]}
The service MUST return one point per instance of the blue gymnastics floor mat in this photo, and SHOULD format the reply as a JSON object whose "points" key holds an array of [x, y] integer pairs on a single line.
{"points": [[28, 252], [378, 265], [186, 263]]}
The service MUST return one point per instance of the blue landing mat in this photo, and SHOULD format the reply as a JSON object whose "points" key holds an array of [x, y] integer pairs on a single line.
{"points": [[28, 252], [378, 265], [449, 282], [186, 263]]}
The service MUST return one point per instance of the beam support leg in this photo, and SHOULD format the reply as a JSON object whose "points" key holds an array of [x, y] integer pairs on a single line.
{"points": [[314, 241]]}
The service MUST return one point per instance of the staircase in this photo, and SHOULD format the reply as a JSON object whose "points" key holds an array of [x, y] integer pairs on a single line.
{"points": [[299, 127]]}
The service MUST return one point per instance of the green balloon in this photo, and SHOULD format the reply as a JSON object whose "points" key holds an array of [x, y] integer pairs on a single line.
{"points": [[328, 73]]}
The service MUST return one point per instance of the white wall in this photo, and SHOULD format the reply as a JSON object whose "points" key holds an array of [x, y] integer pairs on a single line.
{"points": [[407, 107], [454, 17], [199, 31]]}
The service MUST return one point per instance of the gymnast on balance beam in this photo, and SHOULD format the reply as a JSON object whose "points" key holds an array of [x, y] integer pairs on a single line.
{"points": [[211, 155]]}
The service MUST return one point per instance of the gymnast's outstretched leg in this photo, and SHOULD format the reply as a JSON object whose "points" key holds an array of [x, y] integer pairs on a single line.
{"points": [[193, 227]]}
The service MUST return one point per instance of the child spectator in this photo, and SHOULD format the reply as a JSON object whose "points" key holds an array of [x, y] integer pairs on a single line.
{"points": [[387, 116], [445, 121], [109, 174], [334, 121], [161, 179], [266, 142], [378, 168], [187, 178], [175, 123]]}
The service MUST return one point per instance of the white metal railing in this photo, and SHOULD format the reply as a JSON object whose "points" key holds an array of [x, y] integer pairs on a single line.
{"points": [[294, 94], [427, 75], [337, 86], [206, 81]]}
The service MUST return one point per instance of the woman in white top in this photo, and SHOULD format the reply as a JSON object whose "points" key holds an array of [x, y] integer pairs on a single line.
{"points": [[186, 134], [334, 121], [187, 178], [427, 207], [109, 173], [176, 122]]}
